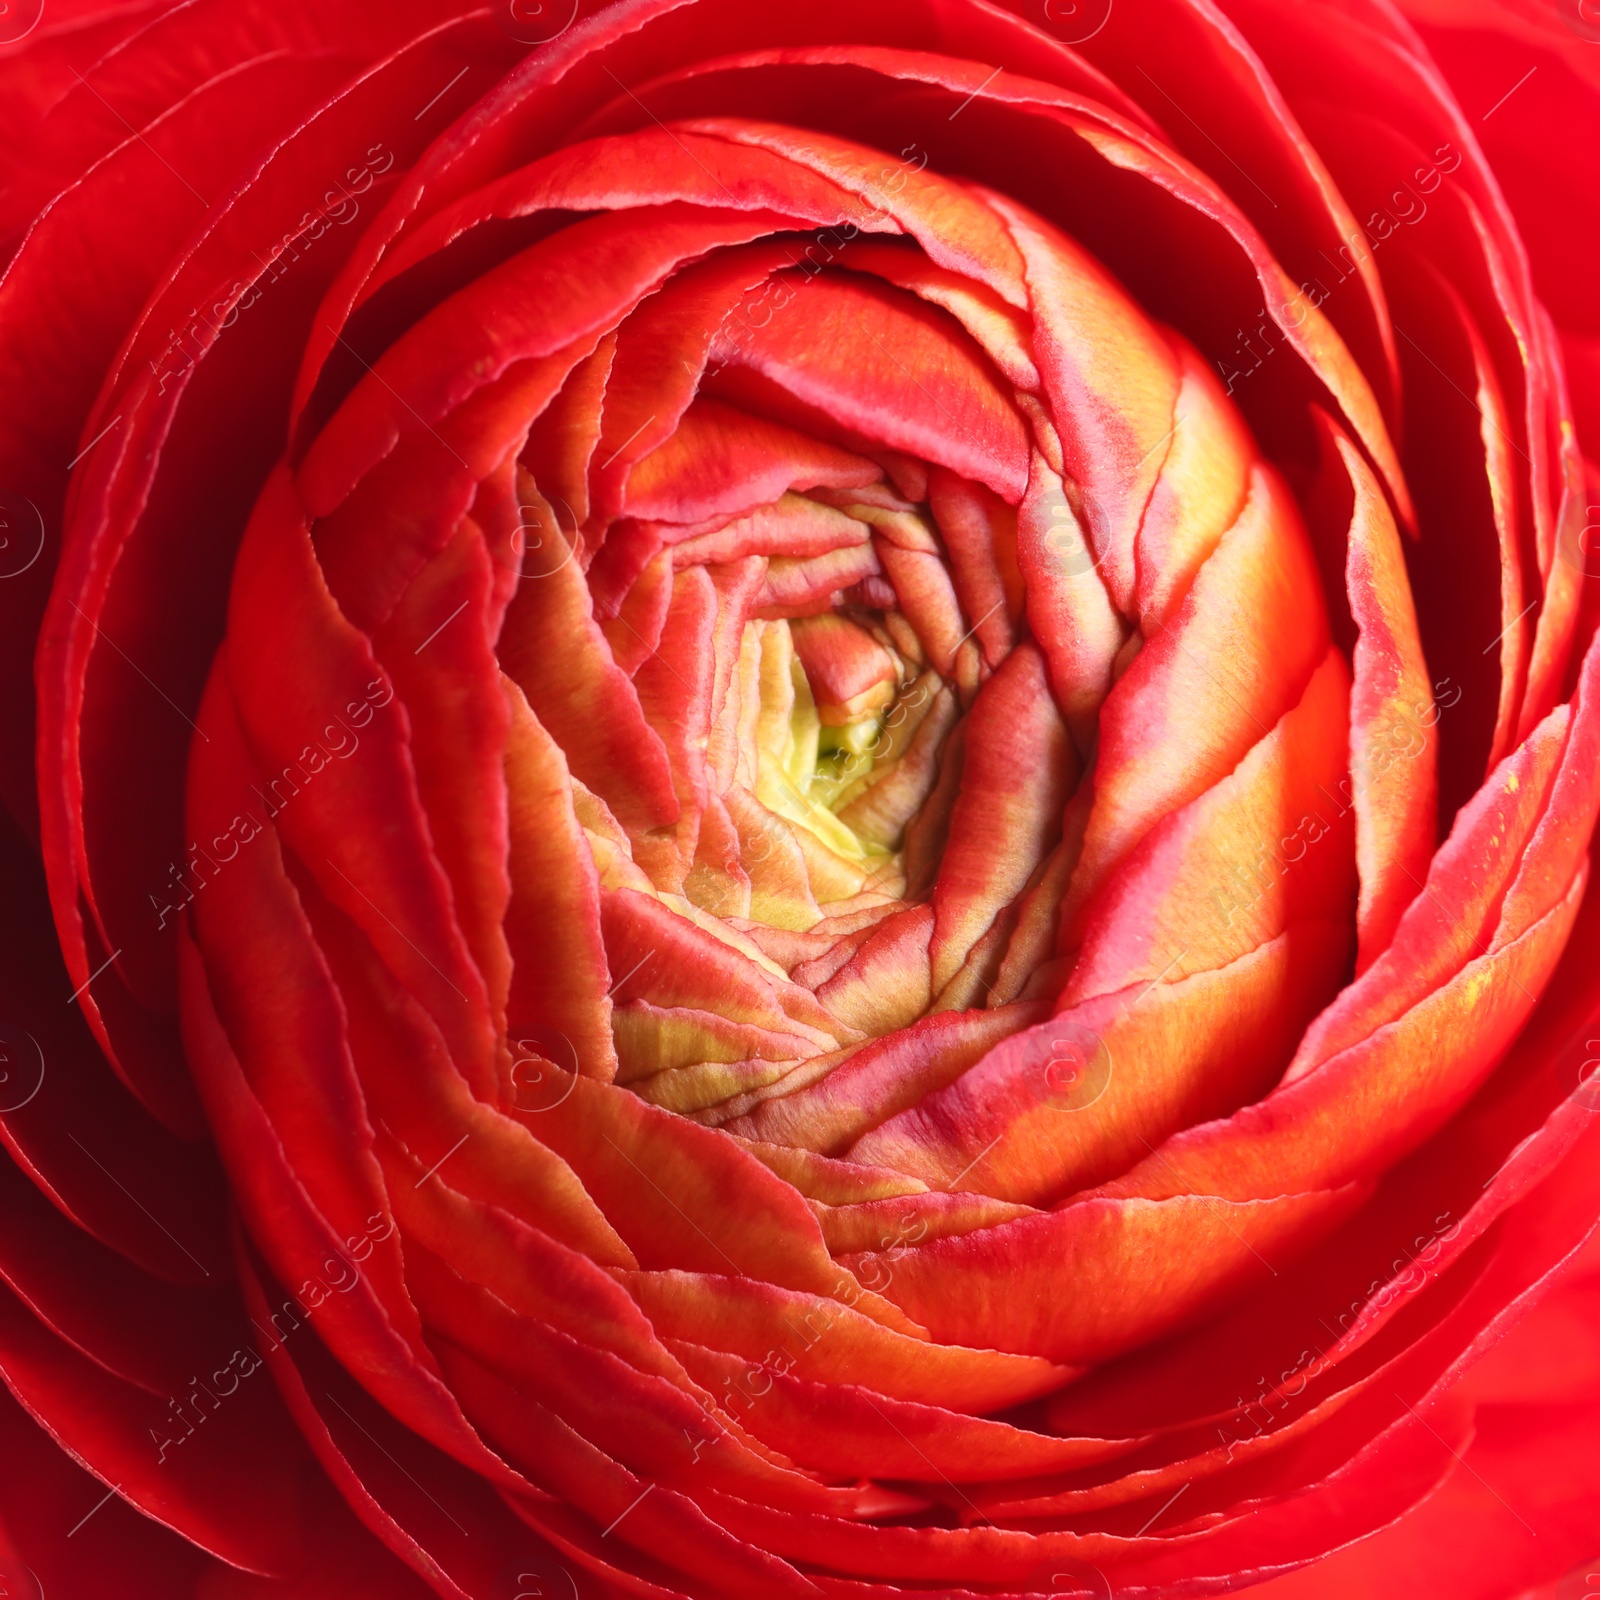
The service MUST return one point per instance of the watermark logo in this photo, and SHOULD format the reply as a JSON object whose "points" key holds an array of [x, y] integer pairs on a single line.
{"points": [[18, 18], [1069, 1575], [535, 22], [1063, 534], [547, 539], [21, 1068], [21, 530], [1585, 1077], [1582, 17], [1076, 21], [1579, 541], [17, 1581], [1078, 1071], [1582, 1582], [534, 1577], [544, 1070]]}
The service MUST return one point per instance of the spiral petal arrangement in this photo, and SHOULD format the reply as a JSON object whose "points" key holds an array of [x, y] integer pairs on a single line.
{"points": [[773, 857]]}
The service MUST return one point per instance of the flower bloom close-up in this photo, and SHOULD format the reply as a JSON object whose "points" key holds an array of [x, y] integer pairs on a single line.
{"points": [[797, 800]]}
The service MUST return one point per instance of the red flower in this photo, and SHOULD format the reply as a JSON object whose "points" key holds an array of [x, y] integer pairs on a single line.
{"points": [[816, 790]]}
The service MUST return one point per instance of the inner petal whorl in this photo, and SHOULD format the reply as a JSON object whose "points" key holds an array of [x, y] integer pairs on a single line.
{"points": [[849, 623]]}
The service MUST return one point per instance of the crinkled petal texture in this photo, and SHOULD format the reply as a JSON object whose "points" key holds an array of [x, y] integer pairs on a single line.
{"points": [[819, 787]]}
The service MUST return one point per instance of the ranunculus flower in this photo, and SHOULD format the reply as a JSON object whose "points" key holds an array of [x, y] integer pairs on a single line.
{"points": [[810, 798]]}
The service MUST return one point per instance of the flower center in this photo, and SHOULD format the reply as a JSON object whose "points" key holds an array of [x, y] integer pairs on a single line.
{"points": [[837, 704], [778, 592]]}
